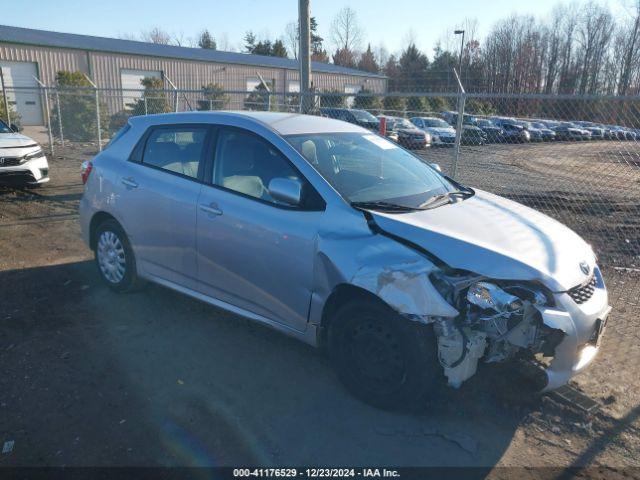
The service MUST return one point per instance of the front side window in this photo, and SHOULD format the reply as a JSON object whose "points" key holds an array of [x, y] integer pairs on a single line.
{"points": [[4, 128], [246, 164], [176, 149], [365, 167]]}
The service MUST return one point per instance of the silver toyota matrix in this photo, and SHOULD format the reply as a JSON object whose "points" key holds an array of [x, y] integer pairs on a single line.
{"points": [[341, 238]]}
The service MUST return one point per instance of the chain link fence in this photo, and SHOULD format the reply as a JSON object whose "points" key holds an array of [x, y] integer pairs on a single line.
{"points": [[575, 158]]}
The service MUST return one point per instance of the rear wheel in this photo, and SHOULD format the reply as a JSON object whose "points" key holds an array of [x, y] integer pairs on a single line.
{"points": [[114, 257], [383, 359]]}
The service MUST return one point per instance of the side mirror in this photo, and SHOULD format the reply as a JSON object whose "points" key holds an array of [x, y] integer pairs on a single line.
{"points": [[286, 190], [15, 127], [436, 166]]}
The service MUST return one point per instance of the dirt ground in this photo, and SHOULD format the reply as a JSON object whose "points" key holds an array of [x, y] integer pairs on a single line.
{"points": [[92, 378]]}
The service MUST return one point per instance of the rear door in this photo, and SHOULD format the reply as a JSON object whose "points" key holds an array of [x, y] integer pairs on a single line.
{"points": [[254, 252], [159, 195]]}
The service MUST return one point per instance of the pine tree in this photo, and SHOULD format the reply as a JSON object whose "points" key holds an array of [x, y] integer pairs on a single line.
{"points": [[206, 41]]}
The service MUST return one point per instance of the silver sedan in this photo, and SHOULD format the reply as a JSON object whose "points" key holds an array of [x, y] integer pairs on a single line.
{"points": [[341, 238]]}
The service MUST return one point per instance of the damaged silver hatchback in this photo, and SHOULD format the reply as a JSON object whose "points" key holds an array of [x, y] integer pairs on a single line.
{"points": [[337, 236]]}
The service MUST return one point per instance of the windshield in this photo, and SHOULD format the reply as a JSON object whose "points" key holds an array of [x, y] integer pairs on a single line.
{"points": [[4, 128], [403, 123], [436, 123], [368, 168], [363, 116]]}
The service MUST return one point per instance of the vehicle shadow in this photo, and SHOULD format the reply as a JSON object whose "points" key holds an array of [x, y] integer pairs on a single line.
{"points": [[91, 377]]}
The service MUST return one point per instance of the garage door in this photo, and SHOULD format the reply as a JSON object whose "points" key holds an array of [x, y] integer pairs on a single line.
{"points": [[132, 80], [22, 90], [351, 89]]}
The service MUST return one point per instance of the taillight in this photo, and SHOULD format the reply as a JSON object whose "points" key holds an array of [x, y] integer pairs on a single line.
{"points": [[86, 171]]}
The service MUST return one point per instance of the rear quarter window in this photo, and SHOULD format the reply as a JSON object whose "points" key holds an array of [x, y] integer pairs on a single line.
{"points": [[119, 134]]}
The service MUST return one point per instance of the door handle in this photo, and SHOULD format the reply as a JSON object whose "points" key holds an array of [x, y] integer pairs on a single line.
{"points": [[211, 209], [129, 182]]}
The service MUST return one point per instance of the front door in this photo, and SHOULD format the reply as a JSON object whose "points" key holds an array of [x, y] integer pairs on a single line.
{"points": [[255, 252]]}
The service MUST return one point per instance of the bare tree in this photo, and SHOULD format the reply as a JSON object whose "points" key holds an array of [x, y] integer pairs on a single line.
{"points": [[346, 33], [292, 38], [156, 35], [630, 45]]}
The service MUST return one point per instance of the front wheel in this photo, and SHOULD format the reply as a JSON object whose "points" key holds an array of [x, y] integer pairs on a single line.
{"points": [[114, 257], [384, 359]]}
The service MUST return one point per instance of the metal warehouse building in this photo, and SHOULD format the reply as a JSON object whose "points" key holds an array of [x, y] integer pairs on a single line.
{"points": [[27, 55]]}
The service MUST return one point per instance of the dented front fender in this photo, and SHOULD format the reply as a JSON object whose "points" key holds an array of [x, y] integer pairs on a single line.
{"points": [[395, 273]]}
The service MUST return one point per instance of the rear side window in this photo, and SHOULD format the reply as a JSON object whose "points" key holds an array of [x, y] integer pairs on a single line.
{"points": [[176, 149]]}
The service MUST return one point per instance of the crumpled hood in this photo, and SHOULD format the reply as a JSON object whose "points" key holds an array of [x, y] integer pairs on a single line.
{"points": [[15, 140], [497, 238]]}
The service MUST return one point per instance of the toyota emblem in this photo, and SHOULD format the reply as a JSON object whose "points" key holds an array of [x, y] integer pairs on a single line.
{"points": [[584, 267]]}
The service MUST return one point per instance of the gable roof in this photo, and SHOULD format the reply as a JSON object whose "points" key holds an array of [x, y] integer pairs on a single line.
{"points": [[46, 38]]}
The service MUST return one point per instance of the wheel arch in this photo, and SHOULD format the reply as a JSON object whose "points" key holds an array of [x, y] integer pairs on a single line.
{"points": [[341, 295], [98, 219]]}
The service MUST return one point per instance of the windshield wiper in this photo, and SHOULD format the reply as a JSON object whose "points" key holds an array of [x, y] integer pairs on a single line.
{"points": [[384, 206], [438, 200]]}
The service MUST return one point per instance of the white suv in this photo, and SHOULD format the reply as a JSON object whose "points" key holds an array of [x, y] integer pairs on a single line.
{"points": [[22, 161]]}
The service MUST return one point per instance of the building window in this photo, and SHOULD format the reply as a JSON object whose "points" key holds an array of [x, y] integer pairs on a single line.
{"points": [[293, 86]]}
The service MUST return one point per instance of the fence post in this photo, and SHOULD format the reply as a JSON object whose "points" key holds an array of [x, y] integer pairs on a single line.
{"points": [[45, 94], [459, 123], [6, 99], [59, 117], [146, 109], [98, 120], [95, 87]]}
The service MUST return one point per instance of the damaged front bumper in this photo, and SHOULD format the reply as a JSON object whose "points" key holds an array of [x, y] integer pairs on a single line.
{"points": [[583, 327]]}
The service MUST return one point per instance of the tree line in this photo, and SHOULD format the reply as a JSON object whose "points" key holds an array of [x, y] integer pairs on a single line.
{"points": [[577, 49]]}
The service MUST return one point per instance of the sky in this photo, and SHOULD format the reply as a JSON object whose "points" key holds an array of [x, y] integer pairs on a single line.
{"points": [[385, 22]]}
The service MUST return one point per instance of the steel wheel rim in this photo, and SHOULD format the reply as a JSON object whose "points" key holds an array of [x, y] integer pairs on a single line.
{"points": [[111, 257], [375, 355]]}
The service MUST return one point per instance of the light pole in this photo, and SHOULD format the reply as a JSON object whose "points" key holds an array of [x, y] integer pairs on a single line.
{"points": [[460, 32]]}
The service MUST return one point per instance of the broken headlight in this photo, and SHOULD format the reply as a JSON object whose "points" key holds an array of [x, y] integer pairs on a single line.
{"points": [[488, 296]]}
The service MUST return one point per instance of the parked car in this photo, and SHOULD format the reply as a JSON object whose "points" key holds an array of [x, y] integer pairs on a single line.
{"points": [[352, 115], [597, 132], [451, 118], [629, 134], [569, 131], [548, 134], [442, 134], [619, 133], [494, 133], [472, 135], [338, 237], [407, 134], [512, 132], [22, 160], [535, 134]]}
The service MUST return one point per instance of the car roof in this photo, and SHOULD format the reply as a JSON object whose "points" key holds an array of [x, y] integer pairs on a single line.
{"points": [[280, 122]]}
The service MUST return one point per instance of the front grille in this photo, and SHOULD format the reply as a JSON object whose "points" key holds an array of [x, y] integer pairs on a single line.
{"points": [[10, 161], [582, 293]]}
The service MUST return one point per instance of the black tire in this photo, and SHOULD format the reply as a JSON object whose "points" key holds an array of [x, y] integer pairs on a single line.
{"points": [[129, 280], [385, 360]]}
